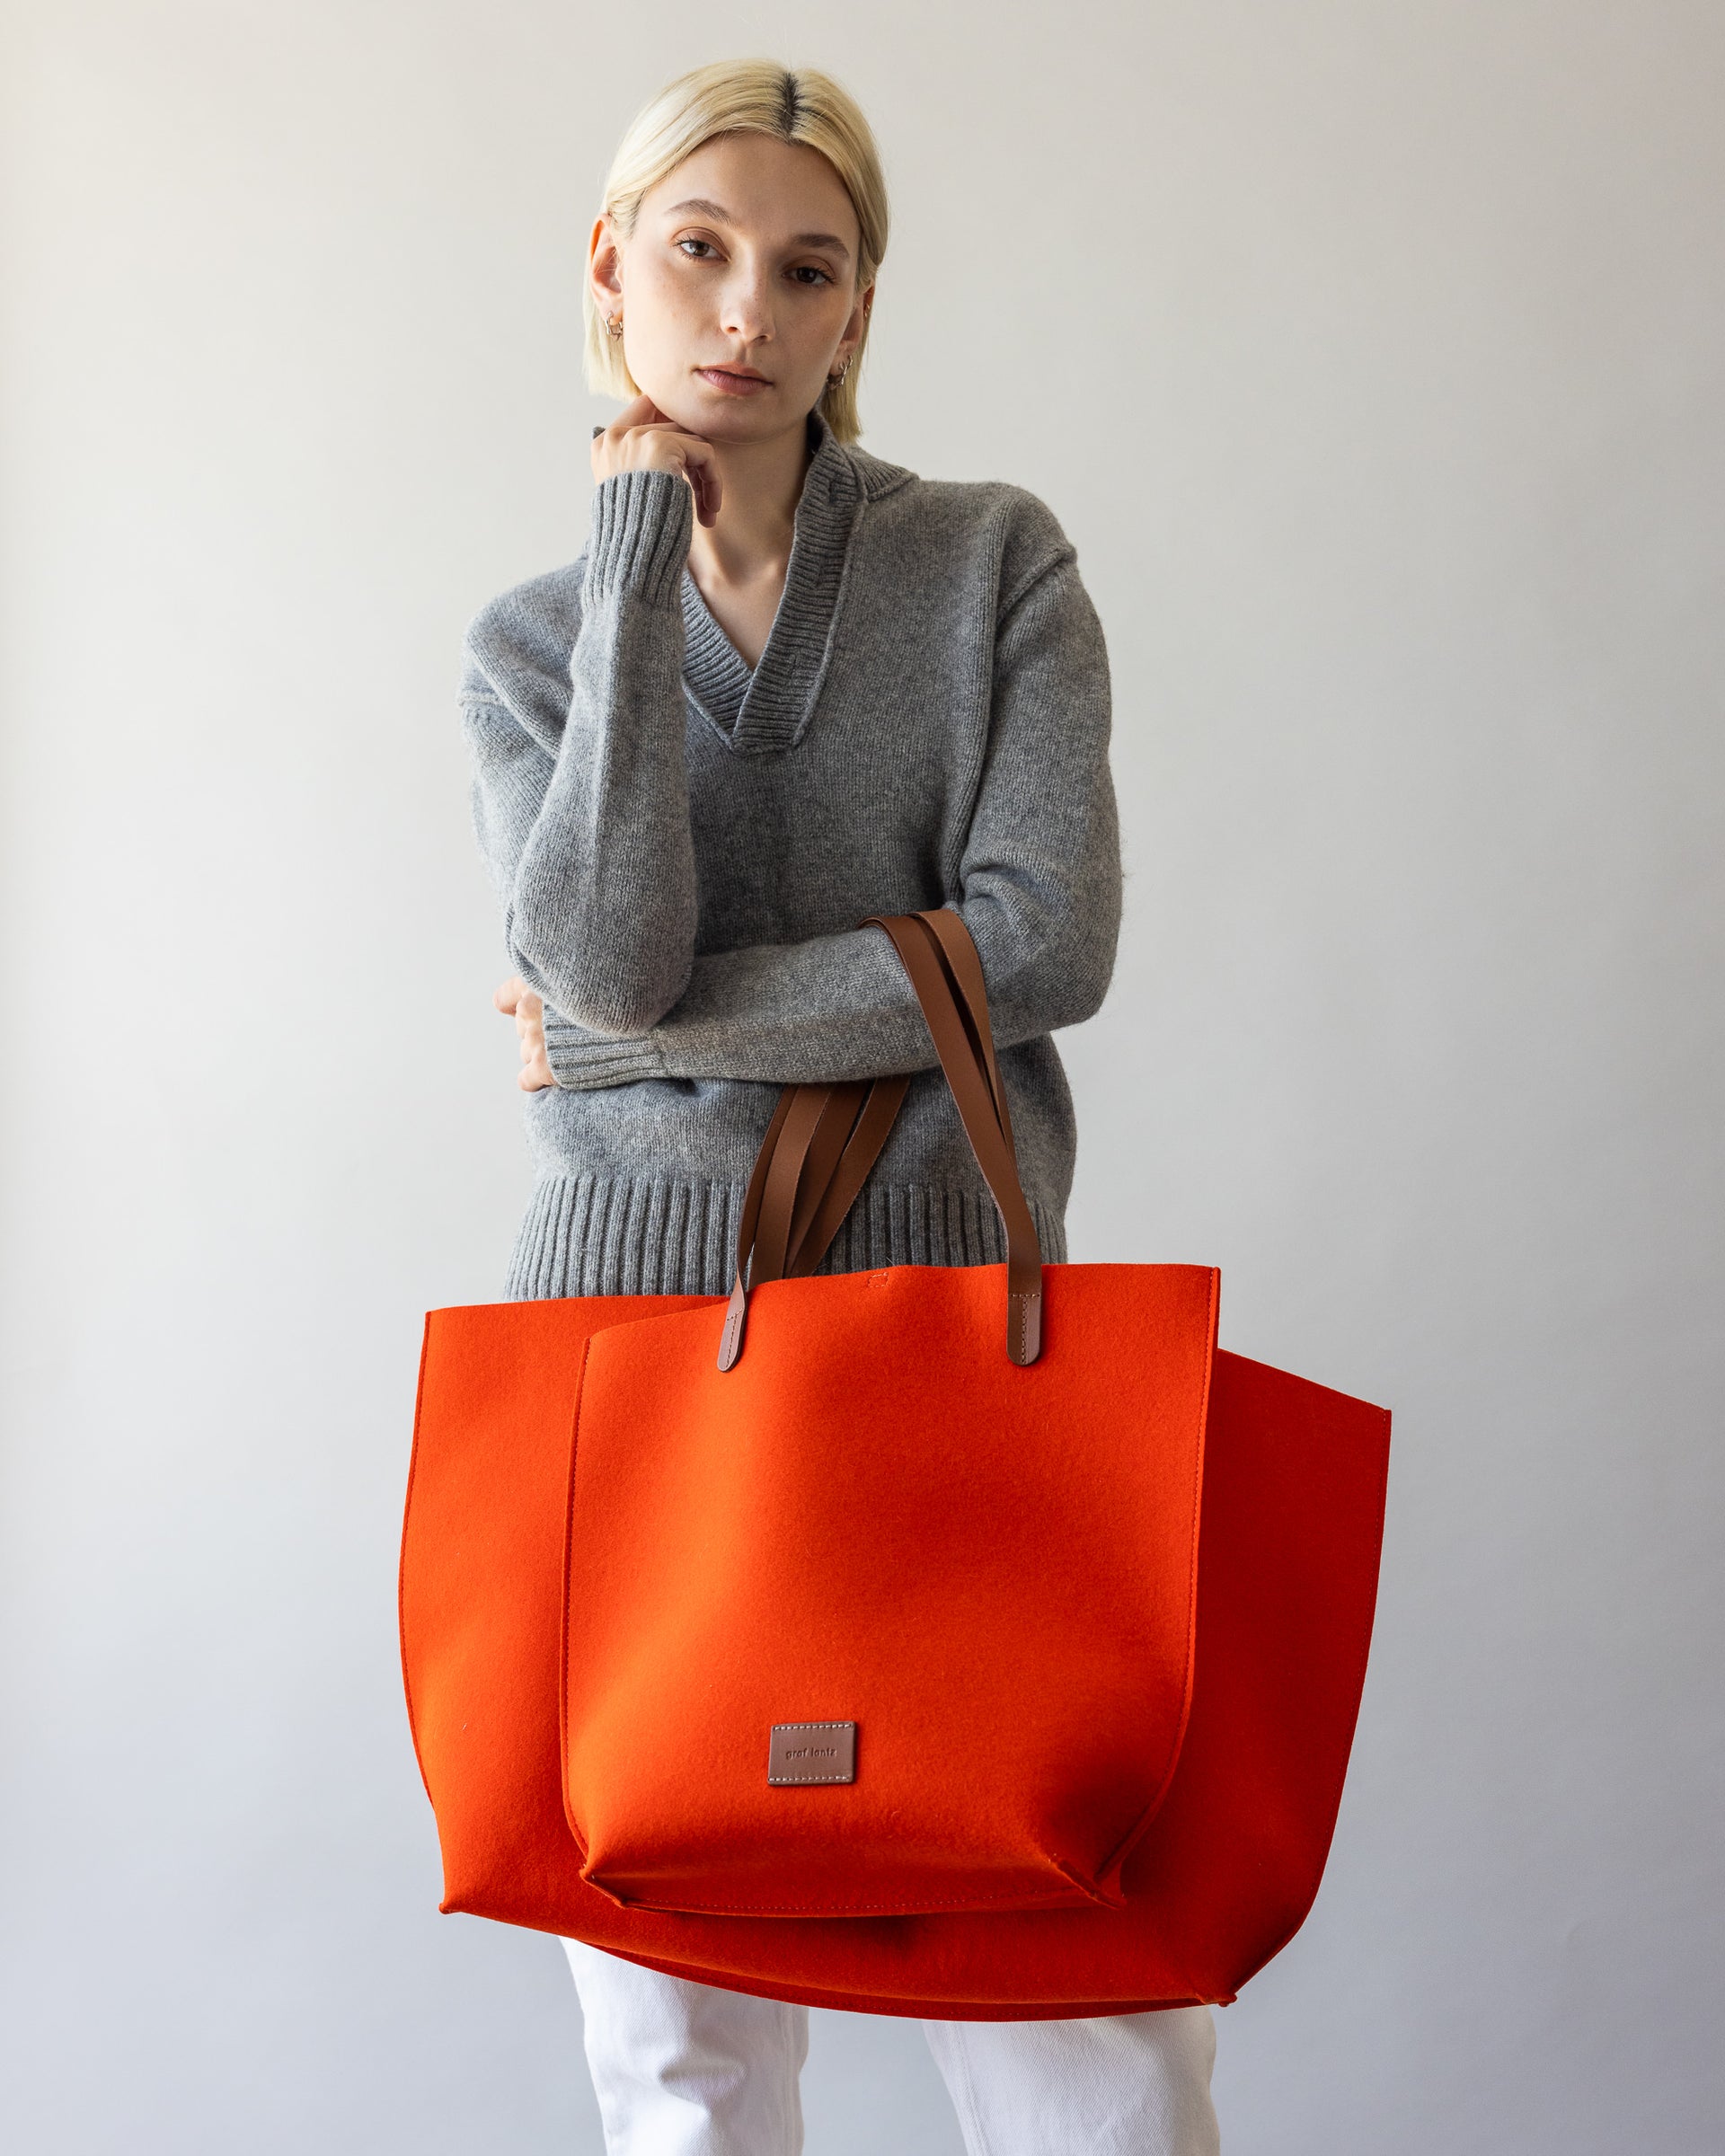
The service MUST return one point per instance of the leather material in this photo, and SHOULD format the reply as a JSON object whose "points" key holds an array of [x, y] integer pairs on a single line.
{"points": [[967, 1055], [1100, 1615], [816, 1156], [823, 1140], [804, 1752]]}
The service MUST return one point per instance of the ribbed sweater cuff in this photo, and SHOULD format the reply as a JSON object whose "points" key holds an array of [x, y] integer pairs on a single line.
{"points": [[639, 542], [584, 1065]]}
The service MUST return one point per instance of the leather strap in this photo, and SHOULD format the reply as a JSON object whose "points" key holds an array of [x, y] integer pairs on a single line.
{"points": [[811, 1241], [805, 1104], [816, 1156], [974, 1078], [802, 1164], [823, 1140], [964, 969]]}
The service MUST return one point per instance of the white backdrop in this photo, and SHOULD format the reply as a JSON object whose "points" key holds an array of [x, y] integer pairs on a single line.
{"points": [[1372, 355]]}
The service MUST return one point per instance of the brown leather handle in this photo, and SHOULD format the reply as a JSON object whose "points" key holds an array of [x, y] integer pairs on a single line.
{"points": [[816, 1156], [823, 1140], [949, 999], [964, 970]]}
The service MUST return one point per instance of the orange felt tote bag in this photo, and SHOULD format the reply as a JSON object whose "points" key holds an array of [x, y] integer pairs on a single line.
{"points": [[975, 1642]]}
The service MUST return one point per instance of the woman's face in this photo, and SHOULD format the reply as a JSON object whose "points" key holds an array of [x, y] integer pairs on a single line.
{"points": [[742, 259]]}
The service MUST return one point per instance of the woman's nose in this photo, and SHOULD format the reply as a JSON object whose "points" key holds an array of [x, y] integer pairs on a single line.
{"points": [[746, 311]]}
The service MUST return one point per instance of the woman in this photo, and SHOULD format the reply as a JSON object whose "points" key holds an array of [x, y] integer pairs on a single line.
{"points": [[789, 685]]}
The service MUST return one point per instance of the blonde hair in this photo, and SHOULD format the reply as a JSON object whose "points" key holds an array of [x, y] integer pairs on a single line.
{"points": [[757, 97]]}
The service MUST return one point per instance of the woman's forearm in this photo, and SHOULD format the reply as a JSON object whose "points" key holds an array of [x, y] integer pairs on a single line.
{"points": [[1037, 886], [599, 911]]}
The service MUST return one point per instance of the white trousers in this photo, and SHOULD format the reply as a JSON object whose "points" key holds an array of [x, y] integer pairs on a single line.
{"points": [[684, 2068]]}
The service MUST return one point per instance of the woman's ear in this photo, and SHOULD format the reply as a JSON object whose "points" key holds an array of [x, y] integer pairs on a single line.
{"points": [[859, 320], [605, 266]]}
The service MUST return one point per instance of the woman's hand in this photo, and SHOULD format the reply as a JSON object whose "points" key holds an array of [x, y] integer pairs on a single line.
{"points": [[641, 438], [529, 1011]]}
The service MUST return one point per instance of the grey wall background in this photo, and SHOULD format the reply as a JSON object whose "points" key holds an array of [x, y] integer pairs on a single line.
{"points": [[1373, 357]]}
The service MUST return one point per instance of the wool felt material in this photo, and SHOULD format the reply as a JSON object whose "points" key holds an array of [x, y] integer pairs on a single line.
{"points": [[682, 848], [1290, 1519], [876, 1518]]}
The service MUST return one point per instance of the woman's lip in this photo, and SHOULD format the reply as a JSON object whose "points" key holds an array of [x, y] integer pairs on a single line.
{"points": [[734, 385]]}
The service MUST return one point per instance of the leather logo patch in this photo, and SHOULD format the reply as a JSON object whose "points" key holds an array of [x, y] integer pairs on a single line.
{"points": [[812, 1752]]}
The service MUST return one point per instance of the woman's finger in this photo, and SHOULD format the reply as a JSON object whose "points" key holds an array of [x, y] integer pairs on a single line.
{"points": [[702, 465], [615, 448]]}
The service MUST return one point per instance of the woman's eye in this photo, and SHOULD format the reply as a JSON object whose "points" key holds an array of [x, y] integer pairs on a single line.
{"points": [[806, 274]]}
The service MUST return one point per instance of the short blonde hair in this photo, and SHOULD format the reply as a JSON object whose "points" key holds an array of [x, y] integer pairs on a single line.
{"points": [[758, 97]]}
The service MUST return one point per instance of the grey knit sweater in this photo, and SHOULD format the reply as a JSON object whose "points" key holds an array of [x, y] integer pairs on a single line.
{"points": [[683, 848]]}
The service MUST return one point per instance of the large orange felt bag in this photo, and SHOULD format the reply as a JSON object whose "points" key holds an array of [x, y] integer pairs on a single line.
{"points": [[977, 1641]]}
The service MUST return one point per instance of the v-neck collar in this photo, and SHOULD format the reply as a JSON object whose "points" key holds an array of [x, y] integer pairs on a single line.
{"points": [[769, 707]]}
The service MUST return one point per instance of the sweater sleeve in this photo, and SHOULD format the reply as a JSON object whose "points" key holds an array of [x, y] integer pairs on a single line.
{"points": [[1037, 886], [590, 846]]}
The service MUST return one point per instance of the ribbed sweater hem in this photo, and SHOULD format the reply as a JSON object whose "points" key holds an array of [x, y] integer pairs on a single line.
{"points": [[593, 1236]]}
